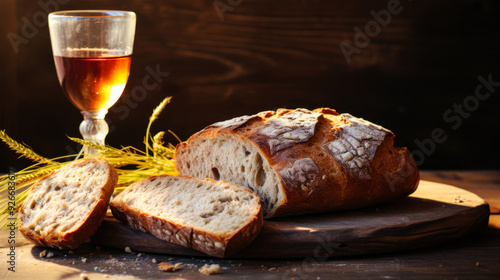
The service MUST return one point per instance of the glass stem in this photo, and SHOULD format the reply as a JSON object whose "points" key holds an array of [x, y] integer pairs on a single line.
{"points": [[94, 128]]}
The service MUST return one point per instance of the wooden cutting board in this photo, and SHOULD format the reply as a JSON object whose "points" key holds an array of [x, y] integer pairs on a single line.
{"points": [[434, 214]]}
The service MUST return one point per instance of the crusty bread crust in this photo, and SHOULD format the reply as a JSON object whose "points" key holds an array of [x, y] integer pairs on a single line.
{"points": [[191, 237], [315, 159], [72, 239]]}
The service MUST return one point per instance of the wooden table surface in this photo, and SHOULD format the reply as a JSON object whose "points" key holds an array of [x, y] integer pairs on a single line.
{"points": [[474, 257]]}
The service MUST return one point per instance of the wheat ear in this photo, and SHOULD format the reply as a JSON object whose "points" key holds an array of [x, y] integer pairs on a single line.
{"points": [[23, 150], [152, 118]]}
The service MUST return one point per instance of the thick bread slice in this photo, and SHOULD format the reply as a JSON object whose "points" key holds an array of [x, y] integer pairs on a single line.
{"points": [[66, 207], [217, 218], [301, 161]]}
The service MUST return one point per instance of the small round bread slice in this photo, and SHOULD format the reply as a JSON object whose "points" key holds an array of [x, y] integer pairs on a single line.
{"points": [[66, 207], [217, 218]]}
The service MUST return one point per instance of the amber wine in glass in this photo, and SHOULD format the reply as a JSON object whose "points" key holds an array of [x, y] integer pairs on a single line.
{"points": [[92, 53]]}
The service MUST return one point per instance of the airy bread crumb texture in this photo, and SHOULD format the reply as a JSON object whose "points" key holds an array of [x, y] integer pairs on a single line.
{"points": [[61, 202], [229, 158], [219, 208]]}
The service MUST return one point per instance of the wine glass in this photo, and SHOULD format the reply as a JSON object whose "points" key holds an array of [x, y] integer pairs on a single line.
{"points": [[92, 53]]}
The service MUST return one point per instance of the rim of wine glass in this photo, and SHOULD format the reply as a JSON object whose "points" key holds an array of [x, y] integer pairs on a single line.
{"points": [[92, 13]]}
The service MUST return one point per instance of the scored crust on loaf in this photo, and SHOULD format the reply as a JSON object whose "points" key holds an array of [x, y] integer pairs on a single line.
{"points": [[356, 145], [66, 207], [301, 161], [217, 218]]}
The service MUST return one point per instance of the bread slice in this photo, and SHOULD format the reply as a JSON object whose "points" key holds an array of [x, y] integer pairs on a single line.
{"points": [[217, 218], [66, 207], [301, 161]]}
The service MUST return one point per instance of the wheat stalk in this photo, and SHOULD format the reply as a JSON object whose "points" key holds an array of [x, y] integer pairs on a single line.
{"points": [[103, 149], [152, 118], [159, 150], [22, 149], [21, 179], [131, 163]]}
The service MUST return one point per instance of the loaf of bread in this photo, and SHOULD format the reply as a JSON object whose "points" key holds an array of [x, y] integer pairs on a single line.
{"points": [[217, 218], [301, 161], [66, 207]]}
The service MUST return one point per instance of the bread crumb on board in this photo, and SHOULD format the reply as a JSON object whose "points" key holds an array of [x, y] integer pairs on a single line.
{"points": [[128, 250], [169, 267], [44, 254], [209, 269], [84, 276]]}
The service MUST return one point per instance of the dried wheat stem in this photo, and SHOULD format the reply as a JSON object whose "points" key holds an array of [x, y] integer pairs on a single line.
{"points": [[22, 149]]}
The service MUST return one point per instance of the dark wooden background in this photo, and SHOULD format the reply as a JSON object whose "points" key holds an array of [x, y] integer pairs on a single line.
{"points": [[266, 55]]}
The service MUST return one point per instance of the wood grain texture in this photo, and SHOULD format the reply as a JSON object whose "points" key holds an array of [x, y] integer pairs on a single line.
{"points": [[484, 183], [435, 213], [271, 54]]}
